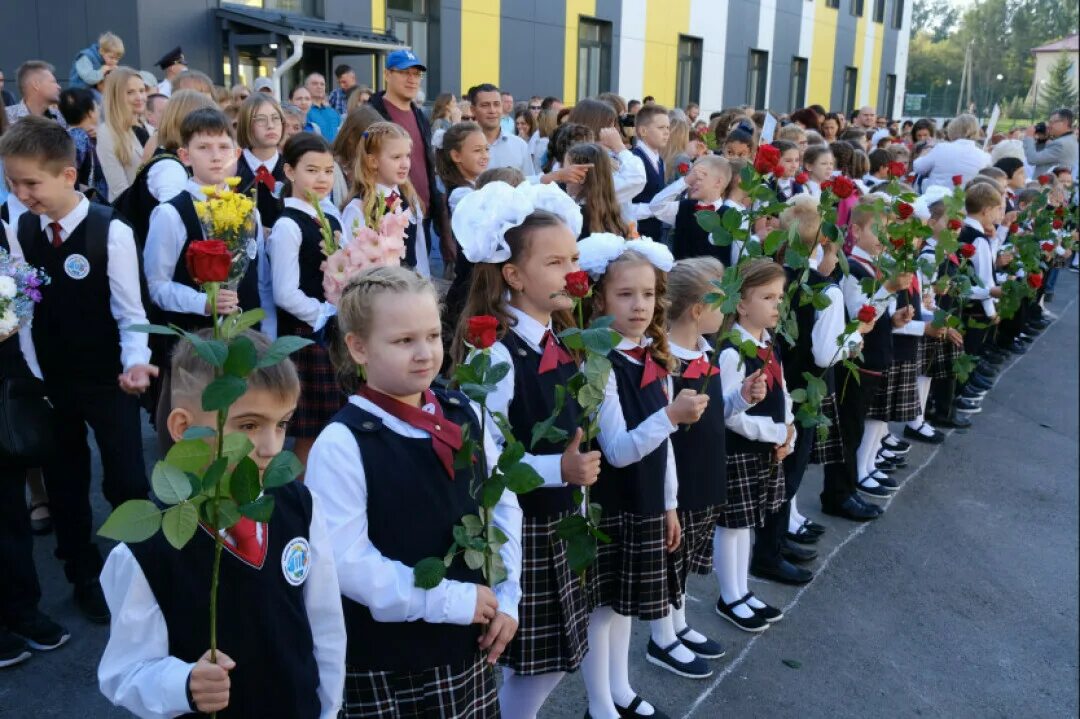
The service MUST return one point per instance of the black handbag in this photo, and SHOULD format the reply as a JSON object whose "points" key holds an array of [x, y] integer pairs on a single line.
{"points": [[26, 422]]}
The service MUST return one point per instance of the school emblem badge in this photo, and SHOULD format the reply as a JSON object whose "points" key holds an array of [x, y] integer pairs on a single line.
{"points": [[77, 267], [296, 561]]}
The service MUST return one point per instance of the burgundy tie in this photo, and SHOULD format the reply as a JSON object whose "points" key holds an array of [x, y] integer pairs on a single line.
{"points": [[446, 436], [554, 353], [699, 207], [265, 177], [246, 542], [699, 367], [652, 370], [773, 372], [56, 229]]}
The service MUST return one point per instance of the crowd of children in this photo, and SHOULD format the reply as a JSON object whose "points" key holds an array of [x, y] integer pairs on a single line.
{"points": [[699, 448]]}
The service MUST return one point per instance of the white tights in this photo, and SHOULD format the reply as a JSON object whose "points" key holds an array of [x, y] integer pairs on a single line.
{"points": [[521, 696]]}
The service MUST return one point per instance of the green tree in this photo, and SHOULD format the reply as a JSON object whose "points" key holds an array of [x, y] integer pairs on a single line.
{"points": [[1058, 90]]}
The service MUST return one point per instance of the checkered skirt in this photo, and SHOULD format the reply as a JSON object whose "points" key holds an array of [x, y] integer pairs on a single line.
{"points": [[897, 397], [632, 571], [445, 692], [755, 490], [831, 449], [940, 356], [695, 552], [553, 615], [320, 394]]}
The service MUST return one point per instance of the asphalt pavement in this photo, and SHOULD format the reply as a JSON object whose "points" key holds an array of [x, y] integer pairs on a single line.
{"points": [[962, 601]]}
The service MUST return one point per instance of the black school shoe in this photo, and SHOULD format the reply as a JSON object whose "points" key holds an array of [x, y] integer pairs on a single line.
{"points": [[796, 554], [707, 649], [783, 572], [896, 445], [956, 420], [91, 602], [968, 406], [753, 624], [696, 668], [769, 613], [40, 632], [854, 508], [924, 433], [13, 650], [802, 535], [630, 712]]}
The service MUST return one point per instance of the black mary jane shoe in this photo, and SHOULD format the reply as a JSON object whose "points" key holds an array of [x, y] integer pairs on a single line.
{"points": [[707, 649], [696, 668], [769, 613], [753, 624], [802, 535], [630, 712]]}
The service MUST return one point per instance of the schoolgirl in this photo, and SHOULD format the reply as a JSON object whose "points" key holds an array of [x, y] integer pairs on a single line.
{"points": [[261, 166], [596, 193]]}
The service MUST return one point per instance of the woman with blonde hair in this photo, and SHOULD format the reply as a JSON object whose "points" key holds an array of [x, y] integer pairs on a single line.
{"points": [[961, 156], [677, 153], [124, 133], [445, 112]]}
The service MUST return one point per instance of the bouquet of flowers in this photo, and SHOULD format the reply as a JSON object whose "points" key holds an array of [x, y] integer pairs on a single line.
{"points": [[382, 242], [20, 289], [229, 216]]}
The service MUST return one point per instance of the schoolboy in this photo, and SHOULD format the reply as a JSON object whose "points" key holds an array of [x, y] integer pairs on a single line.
{"points": [[706, 184], [280, 630], [653, 128], [92, 363]]}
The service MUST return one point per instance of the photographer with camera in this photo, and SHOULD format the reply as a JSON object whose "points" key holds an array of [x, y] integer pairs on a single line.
{"points": [[1060, 148]]}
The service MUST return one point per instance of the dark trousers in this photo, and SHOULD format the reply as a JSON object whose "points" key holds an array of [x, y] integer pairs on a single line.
{"points": [[854, 394], [19, 590], [114, 418], [768, 538]]}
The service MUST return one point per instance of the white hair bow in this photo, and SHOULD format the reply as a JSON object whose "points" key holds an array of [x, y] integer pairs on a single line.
{"points": [[600, 249]]}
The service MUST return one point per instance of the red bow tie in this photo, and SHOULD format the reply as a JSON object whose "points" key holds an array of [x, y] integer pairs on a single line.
{"points": [[242, 539], [554, 353], [446, 436], [699, 207], [699, 367], [392, 198], [773, 372], [652, 371], [265, 177]]}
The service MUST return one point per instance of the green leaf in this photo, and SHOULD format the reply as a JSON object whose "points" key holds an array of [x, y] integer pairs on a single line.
{"points": [[793, 663], [213, 474], [244, 485], [496, 373], [798, 396], [721, 237], [283, 468], [227, 513], [571, 526], [599, 341], [260, 510], [236, 324], [581, 552], [521, 478], [498, 570], [213, 351], [190, 455], [236, 446], [198, 432], [492, 491], [155, 330], [773, 241], [709, 220], [596, 512], [241, 358], [429, 572], [169, 483], [473, 525], [179, 523], [135, 520], [280, 349], [222, 392], [511, 455], [474, 559], [547, 431]]}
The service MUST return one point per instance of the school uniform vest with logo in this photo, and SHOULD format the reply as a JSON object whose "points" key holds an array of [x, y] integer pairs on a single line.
{"points": [[639, 487], [533, 402], [800, 358], [268, 204], [772, 406], [690, 240], [967, 236], [262, 620], [411, 513], [700, 448], [906, 347], [75, 334], [137, 202], [877, 343], [654, 182], [310, 259]]}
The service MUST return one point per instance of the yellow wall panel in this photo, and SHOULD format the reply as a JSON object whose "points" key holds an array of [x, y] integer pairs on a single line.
{"points": [[822, 57], [479, 42], [378, 15], [875, 69], [574, 9], [664, 21]]}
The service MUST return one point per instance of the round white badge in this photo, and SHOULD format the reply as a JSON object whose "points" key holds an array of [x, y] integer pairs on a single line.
{"points": [[296, 561], [77, 267]]}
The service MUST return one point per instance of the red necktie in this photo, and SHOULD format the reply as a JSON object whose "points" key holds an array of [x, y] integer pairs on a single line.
{"points": [[265, 177], [773, 377], [954, 259], [652, 371], [699, 208], [554, 353], [445, 435], [866, 263], [915, 286], [392, 198], [245, 540], [56, 239], [698, 367]]}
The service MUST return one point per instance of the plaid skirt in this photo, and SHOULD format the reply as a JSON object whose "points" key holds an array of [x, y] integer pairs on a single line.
{"points": [[755, 490], [940, 356], [446, 692], [553, 616], [631, 571], [320, 394], [695, 552], [897, 397], [831, 449]]}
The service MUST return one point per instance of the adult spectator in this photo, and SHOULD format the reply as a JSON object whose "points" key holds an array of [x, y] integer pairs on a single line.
{"points": [[693, 110], [545, 128], [327, 118], [358, 95], [346, 80], [961, 155], [507, 149], [445, 112], [633, 106], [551, 103], [922, 130], [1060, 149], [402, 77], [507, 119], [866, 118], [155, 106], [534, 106], [123, 135], [806, 118], [39, 90], [524, 124], [346, 147], [264, 85], [193, 80], [9, 99], [92, 64], [238, 93], [301, 100], [79, 109], [172, 64]]}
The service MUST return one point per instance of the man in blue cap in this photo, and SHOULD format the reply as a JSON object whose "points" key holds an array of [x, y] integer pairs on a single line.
{"points": [[402, 77]]}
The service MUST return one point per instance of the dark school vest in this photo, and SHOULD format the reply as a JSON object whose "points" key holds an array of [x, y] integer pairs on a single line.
{"points": [[701, 448], [967, 236], [137, 202], [771, 407], [690, 240], [533, 402], [637, 488], [268, 204], [262, 620], [310, 259], [412, 507], [800, 357], [877, 343], [906, 347], [75, 334], [654, 182]]}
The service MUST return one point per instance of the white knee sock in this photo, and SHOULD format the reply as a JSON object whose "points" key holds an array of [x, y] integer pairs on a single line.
{"points": [[663, 634], [595, 668], [619, 665], [521, 696], [922, 384], [726, 567], [795, 520], [678, 619], [873, 432], [744, 569]]}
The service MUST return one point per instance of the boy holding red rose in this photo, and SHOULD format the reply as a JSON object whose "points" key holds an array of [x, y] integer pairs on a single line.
{"points": [[92, 363]]}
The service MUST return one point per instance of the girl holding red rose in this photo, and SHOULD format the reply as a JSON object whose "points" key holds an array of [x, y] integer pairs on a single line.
{"points": [[784, 179], [819, 164]]}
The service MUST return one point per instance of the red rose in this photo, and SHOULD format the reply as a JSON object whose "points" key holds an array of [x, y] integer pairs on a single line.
{"points": [[1014, 228], [867, 314], [481, 331], [683, 168], [967, 251], [1044, 179], [957, 180], [1035, 280], [898, 243], [911, 178], [1059, 212], [842, 187], [1057, 224], [208, 261], [1047, 247], [577, 284], [904, 210], [766, 159], [955, 225], [802, 178], [897, 169]]}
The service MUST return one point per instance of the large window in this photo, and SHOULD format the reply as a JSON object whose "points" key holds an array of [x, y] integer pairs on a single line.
{"points": [[879, 10], [834, 4], [312, 8], [757, 81], [688, 71], [851, 87], [407, 20], [797, 97], [857, 8], [887, 104], [898, 14], [594, 57]]}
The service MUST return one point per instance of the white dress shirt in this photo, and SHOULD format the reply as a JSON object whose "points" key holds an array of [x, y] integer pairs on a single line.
{"points": [[623, 447], [352, 216], [732, 374], [137, 672], [664, 205], [960, 157], [643, 210], [829, 325], [734, 402], [851, 287], [165, 88], [509, 150], [255, 163], [983, 263], [166, 179], [335, 474], [125, 297], [284, 251]]}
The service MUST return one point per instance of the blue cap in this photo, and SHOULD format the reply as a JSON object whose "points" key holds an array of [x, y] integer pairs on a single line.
{"points": [[403, 60]]}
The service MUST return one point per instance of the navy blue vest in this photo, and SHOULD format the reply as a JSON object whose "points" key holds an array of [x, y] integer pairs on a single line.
{"points": [[136, 203], [639, 487], [690, 240], [654, 182], [967, 236], [412, 507], [262, 618], [772, 407], [906, 347], [310, 259], [800, 357], [877, 348], [269, 206], [700, 449]]}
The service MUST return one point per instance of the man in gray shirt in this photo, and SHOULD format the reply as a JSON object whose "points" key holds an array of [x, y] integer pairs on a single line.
{"points": [[1060, 149]]}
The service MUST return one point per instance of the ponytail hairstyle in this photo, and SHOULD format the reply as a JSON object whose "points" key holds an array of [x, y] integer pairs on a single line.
{"points": [[364, 170], [299, 145], [689, 281], [756, 273], [600, 206], [657, 329], [452, 141]]}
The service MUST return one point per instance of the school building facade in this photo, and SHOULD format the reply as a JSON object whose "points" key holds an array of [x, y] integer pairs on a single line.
{"points": [[776, 54]]}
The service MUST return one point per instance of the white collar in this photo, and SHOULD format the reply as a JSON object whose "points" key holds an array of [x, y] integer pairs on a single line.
{"points": [[71, 220], [254, 163], [526, 327], [766, 338], [974, 224], [650, 153], [859, 253], [394, 424], [302, 205], [733, 204], [386, 189], [703, 348], [195, 189], [626, 345]]}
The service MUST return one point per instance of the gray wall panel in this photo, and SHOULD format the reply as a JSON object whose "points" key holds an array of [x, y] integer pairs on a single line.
{"points": [[845, 51], [742, 31], [785, 47]]}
